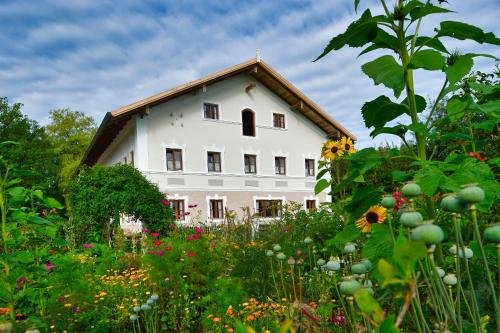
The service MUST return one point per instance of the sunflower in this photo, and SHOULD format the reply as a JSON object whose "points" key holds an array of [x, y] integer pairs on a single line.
{"points": [[332, 149], [376, 214], [347, 145]]}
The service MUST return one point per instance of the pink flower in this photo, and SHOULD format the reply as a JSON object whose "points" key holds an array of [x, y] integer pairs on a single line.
{"points": [[61, 299], [193, 237], [298, 253], [160, 253], [20, 281], [338, 320], [155, 234], [88, 246], [479, 157], [190, 254], [168, 248], [193, 206], [198, 229], [157, 243], [53, 210], [77, 310], [187, 213], [145, 231], [165, 202], [49, 266]]}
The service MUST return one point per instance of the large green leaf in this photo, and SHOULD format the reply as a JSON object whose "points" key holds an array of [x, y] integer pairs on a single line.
{"points": [[385, 70], [432, 42], [52, 203], [25, 257], [459, 69], [383, 40], [362, 198], [463, 31], [348, 234], [38, 220], [321, 185], [358, 33], [407, 253], [428, 59], [419, 101], [399, 130], [388, 325], [425, 10], [430, 178], [456, 106], [369, 305], [380, 244], [381, 110]]}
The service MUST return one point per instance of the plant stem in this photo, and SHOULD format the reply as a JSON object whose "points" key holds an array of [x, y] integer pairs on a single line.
{"points": [[274, 280], [456, 222], [477, 234]]}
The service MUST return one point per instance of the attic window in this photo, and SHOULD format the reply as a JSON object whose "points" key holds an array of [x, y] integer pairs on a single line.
{"points": [[248, 122], [211, 111]]}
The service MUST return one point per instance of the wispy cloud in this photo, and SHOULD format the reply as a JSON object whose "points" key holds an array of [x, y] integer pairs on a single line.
{"points": [[95, 56]]}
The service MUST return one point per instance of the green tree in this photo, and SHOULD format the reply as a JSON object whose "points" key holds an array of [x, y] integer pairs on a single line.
{"points": [[70, 133], [33, 153], [99, 195]]}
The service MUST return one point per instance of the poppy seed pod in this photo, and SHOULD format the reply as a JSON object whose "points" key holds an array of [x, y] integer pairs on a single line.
{"points": [[492, 234], [281, 256], [471, 194], [277, 248], [450, 203], [350, 248], [440, 271], [453, 249], [428, 233], [411, 190], [133, 317], [367, 263], [349, 286], [137, 309], [450, 279], [155, 297], [465, 253], [358, 268], [149, 302], [321, 262], [333, 265], [411, 218], [308, 240], [291, 261], [269, 253], [388, 202]]}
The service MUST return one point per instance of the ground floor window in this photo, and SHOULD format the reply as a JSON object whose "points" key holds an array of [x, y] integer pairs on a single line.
{"points": [[311, 205], [216, 209], [269, 208], [179, 209]]}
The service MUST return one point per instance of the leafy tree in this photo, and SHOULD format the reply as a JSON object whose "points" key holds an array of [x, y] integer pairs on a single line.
{"points": [[100, 194], [33, 153], [70, 133]]}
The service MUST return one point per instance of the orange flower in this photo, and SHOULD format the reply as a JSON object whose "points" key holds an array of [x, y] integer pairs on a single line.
{"points": [[4, 310], [210, 316], [216, 320], [257, 314], [250, 318]]}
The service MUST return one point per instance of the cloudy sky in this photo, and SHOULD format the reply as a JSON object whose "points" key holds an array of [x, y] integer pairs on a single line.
{"points": [[95, 56]]}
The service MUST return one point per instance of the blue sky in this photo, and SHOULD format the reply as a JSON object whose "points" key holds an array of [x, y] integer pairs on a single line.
{"points": [[95, 56]]}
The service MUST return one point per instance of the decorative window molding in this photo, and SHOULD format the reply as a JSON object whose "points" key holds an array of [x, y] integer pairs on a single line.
{"points": [[185, 198], [210, 111], [182, 148], [311, 198], [209, 198]]}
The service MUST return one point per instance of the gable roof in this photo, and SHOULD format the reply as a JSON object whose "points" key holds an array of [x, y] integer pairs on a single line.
{"points": [[115, 120]]}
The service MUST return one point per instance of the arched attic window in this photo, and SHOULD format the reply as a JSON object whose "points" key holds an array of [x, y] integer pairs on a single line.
{"points": [[248, 122]]}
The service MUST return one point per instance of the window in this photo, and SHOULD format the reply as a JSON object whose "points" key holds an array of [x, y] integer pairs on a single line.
{"points": [[178, 209], [278, 120], [174, 159], [211, 111], [250, 164], [269, 208], [216, 209], [248, 122], [280, 165], [213, 161], [310, 205], [309, 167]]}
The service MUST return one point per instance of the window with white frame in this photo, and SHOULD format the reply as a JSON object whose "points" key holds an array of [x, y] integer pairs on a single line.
{"points": [[214, 161], [174, 159], [250, 164], [269, 208], [280, 165], [178, 208], [216, 209], [309, 167], [311, 205], [211, 111]]}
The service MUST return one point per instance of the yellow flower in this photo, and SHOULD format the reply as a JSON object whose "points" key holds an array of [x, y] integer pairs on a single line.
{"points": [[376, 214], [347, 145], [68, 305], [332, 150]]}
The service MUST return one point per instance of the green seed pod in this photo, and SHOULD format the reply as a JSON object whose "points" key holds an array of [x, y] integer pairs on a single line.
{"points": [[440, 271], [269, 253], [492, 234], [388, 202], [281, 256], [350, 248], [465, 253], [277, 248], [411, 218], [321, 262], [308, 240], [471, 194], [428, 233], [333, 265], [358, 268], [450, 279], [450, 203], [349, 286], [411, 190], [133, 317]]}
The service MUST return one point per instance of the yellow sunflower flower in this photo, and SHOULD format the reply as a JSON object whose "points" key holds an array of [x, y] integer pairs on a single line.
{"points": [[347, 145], [376, 214], [331, 150]]}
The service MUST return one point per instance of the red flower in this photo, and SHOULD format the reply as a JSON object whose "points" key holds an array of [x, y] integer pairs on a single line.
{"points": [[49, 266], [190, 254], [160, 253], [399, 200], [165, 202], [51, 251], [155, 234], [479, 157], [168, 248], [157, 243], [88, 246], [145, 231]]}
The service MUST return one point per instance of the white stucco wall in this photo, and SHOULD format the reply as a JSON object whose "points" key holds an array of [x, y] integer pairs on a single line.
{"points": [[121, 147]]}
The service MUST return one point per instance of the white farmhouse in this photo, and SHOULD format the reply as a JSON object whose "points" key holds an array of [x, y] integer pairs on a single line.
{"points": [[241, 137]]}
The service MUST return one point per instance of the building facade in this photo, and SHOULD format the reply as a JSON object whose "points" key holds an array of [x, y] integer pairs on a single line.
{"points": [[242, 137]]}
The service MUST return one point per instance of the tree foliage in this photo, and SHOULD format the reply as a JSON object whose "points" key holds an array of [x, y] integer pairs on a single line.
{"points": [[100, 194]]}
